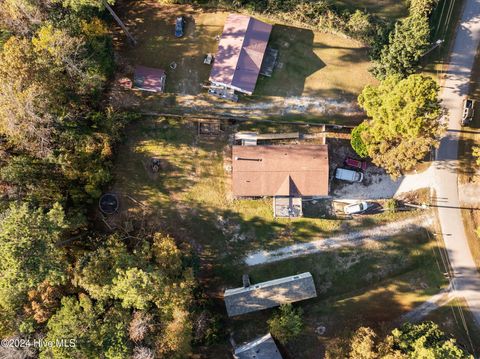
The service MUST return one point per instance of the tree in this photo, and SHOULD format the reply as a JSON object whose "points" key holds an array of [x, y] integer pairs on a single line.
{"points": [[404, 123], [360, 26], [422, 7], [78, 5], [29, 254], [136, 288], [176, 336], [424, 340], [407, 43], [140, 325], [476, 154], [25, 116], [43, 301], [286, 324], [362, 344], [166, 254], [21, 16], [36, 180], [96, 270], [94, 329]]}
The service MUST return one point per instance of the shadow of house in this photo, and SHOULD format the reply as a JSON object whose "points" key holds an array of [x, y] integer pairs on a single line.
{"points": [[296, 61]]}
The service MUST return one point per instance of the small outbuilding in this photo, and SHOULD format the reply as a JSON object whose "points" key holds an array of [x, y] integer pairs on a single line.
{"points": [[260, 348], [149, 79], [269, 294]]}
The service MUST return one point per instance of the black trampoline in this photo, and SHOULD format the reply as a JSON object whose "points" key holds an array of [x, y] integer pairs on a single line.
{"points": [[108, 203]]}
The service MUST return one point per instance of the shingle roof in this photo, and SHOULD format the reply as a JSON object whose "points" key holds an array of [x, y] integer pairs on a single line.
{"points": [[240, 52], [269, 294], [260, 348], [293, 170]]}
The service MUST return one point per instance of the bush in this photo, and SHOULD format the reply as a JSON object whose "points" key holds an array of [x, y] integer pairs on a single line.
{"points": [[359, 25], [286, 324], [391, 205], [356, 140]]}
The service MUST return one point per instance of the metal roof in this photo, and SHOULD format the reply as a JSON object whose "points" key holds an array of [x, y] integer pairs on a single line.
{"points": [[260, 348], [149, 79], [269, 294], [240, 52], [290, 170]]}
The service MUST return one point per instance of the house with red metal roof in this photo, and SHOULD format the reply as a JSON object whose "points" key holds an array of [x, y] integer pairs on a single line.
{"points": [[240, 54]]}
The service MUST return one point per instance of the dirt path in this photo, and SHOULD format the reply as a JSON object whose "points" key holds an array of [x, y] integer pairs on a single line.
{"points": [[350, 239], [346, 111], [424, 309]]}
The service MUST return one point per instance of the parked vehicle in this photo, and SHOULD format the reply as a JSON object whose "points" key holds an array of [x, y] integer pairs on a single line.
{"points": [[208, 59], [355, 208], [345, 174], [468, 111], [179, 26], [352, 162]]}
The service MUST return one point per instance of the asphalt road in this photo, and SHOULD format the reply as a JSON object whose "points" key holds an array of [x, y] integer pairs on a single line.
{"points": [[445, 174]]}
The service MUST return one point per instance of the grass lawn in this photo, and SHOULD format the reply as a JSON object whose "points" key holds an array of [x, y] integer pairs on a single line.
{"points": [[319, 72], [449, 318], [191, 194], [189, 198], [367, 286]]}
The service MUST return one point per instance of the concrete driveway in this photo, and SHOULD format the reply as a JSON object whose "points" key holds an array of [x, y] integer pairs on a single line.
{"points": [[445, 179]]}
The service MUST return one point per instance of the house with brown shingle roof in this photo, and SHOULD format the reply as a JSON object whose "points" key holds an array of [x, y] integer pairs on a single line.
{"points": [[240, 54], [287, 173]]}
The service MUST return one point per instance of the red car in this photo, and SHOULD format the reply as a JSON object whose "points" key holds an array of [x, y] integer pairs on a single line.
{"points": [[351, 162]]}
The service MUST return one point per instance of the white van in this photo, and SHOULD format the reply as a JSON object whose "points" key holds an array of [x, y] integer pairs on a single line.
{"points": [[348, 175]]}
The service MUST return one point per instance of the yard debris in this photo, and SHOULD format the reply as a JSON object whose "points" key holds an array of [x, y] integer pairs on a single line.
{"points": [[155, 163], [230, 229]]}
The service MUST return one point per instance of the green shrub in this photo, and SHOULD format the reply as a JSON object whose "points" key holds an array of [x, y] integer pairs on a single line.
{"points": [[391, 205], [286, 324], [356, 140]]}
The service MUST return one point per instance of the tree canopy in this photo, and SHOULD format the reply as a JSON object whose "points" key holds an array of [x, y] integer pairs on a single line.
{"points": [[29, 254], [407, 43], [404, 122], [423, 340]]}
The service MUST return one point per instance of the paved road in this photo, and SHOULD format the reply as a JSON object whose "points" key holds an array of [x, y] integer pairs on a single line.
{"points": [[445, 178]]}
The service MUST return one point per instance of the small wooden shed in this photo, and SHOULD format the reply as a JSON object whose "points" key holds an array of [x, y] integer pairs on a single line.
{"points": [[149, 79]]}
